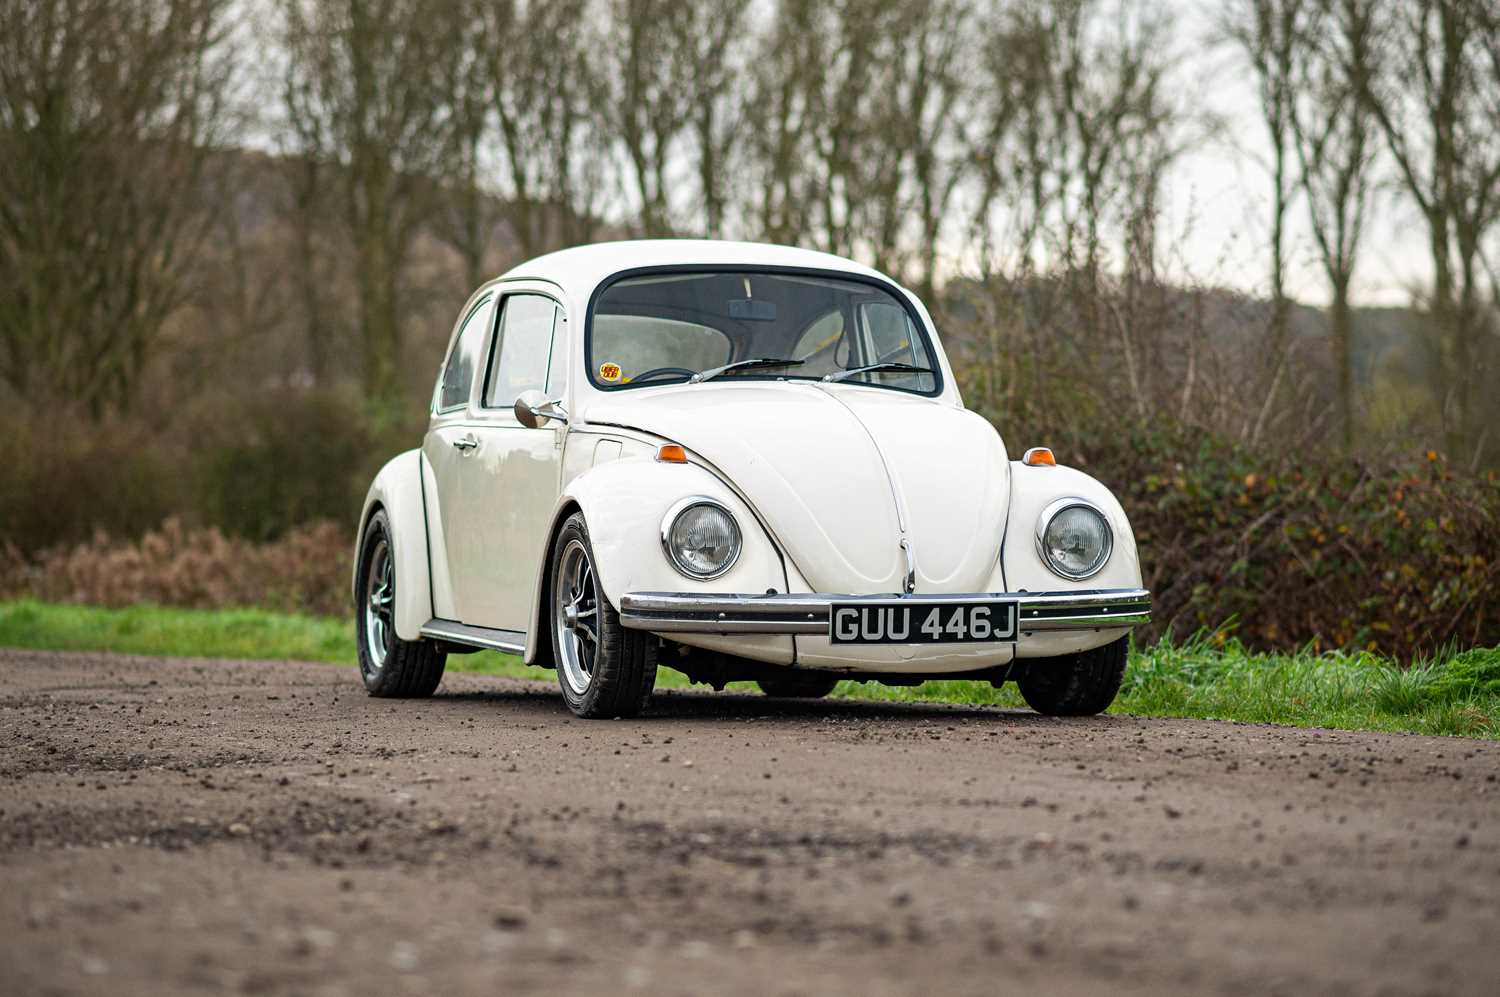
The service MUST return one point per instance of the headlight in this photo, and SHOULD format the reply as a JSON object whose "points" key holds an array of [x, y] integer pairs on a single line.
{"points": [[1073, 538], [701, 538]]}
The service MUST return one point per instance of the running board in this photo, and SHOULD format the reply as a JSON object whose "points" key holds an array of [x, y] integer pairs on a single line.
{"points": [[510, 641]]}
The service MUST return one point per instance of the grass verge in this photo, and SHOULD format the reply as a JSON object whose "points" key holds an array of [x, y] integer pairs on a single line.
{"points": [[1210, 676]]}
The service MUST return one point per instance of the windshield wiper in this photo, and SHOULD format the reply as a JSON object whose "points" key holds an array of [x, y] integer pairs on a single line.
{"points": [[894, 367], [714, 372]]}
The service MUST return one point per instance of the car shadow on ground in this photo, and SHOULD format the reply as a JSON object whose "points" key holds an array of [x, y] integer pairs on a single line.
{"points": [[691, 704]]}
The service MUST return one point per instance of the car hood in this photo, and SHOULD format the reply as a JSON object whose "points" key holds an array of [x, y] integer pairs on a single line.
{"points": [[841, 474]]}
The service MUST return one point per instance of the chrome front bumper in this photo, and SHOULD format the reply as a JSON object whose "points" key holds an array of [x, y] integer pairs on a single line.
{"points": [[729, 613]]}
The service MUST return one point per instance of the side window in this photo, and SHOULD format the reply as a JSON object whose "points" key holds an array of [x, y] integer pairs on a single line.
{"points": [[523, 352], [458, 373]]}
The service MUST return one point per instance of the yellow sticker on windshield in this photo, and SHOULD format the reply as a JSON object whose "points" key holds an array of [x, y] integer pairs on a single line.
{"points": [[609, 372]]}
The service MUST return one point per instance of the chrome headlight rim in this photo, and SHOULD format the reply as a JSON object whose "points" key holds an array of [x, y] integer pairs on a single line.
{"points": [[1044, 521], [676, 511]]}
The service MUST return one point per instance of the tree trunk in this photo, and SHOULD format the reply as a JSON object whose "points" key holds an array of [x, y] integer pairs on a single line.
{"points": [[379, 322], [1342, 321]]}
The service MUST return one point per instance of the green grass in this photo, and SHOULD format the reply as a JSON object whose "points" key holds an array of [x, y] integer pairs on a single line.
{"points": [[1210, 676]]}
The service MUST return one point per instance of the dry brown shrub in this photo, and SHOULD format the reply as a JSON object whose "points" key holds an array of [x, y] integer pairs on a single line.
{"points": [[305, 571]]}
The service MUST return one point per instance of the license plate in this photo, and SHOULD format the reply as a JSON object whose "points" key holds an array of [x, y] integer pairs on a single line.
{"points": [[913, 622]]}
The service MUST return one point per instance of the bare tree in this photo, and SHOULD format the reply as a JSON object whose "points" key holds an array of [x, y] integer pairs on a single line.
{"points": [[362, 95], [1437, 99], [539, 86], [668, 100], [1074, 131], [910, 158], [1007, 138], [716, 49], [468, 218], [1270, 34], [942, 49], [783, 116], [543, 84], [1337, 141], [1106, 101], [1073, 114], [859, 175], [648, 108], [108, 110], [831, 143], [316, 250], [857, 128]]}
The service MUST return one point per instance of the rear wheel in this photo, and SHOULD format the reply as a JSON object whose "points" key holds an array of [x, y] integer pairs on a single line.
{"points": [[799, 685], [1075, 685], [604, 669], [390, 666]]}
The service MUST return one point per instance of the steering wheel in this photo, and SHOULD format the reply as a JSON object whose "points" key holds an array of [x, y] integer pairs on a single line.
{"points": [[663, 370]]}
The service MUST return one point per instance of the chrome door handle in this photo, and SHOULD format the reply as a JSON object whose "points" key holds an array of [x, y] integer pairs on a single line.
{"points": [[466, 443]]}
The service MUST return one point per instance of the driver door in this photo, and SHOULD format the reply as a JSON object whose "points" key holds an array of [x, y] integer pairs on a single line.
{"points": [[502, 490]]}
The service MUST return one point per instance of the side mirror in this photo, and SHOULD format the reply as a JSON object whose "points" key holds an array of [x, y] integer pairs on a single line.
{"points": [[534, 409]]}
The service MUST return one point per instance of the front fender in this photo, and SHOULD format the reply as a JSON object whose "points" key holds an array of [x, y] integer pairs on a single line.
{"points": [[1032, 489], [623, 504], [398, 490]]}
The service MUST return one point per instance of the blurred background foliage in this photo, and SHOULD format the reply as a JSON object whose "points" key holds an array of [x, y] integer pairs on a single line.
{"points": [[235, 234]]}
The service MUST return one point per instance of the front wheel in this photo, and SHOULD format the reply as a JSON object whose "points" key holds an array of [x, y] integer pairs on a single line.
{"points": [[605, 670], [1075, 685], [390, 666]]}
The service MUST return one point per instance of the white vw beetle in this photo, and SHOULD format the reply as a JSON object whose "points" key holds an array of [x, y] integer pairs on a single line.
{"points": [[741, 461]]}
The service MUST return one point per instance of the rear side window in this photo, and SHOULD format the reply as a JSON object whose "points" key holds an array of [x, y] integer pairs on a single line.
{"points": [[458, 372], [528, 353]]}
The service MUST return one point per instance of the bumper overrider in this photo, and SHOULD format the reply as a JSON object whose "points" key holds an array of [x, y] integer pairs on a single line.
{"points": [[729, 613]]}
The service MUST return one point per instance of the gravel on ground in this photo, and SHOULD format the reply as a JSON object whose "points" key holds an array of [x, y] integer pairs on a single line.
{"points": [[185, 826]]}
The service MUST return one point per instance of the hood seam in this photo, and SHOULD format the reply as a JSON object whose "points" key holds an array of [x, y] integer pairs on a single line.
{"points": [[903, 534]]}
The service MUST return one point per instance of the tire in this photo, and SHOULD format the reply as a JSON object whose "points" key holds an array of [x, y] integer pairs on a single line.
{"points": [[391, 667], [799, 685], [604, 669], [1075, 685]]}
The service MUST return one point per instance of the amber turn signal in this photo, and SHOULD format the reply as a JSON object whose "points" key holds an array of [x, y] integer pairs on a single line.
{"points": [[671, 454], [1039, 457]]}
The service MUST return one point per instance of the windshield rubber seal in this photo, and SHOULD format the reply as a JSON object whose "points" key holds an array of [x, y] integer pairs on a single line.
{"points": [[889, 287]]}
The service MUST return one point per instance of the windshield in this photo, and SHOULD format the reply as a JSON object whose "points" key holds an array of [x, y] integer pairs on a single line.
{"points": [[664, 328]]}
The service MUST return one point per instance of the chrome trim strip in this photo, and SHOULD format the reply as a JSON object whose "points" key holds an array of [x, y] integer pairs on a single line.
{"points": [[730, 613], [511, 641]]}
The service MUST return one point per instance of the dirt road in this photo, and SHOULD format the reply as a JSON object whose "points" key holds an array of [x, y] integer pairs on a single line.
{"points": [[178, 826]]}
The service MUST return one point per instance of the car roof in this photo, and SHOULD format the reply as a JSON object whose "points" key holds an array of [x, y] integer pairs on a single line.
{"points": [[578, 272], [580, 269]]}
